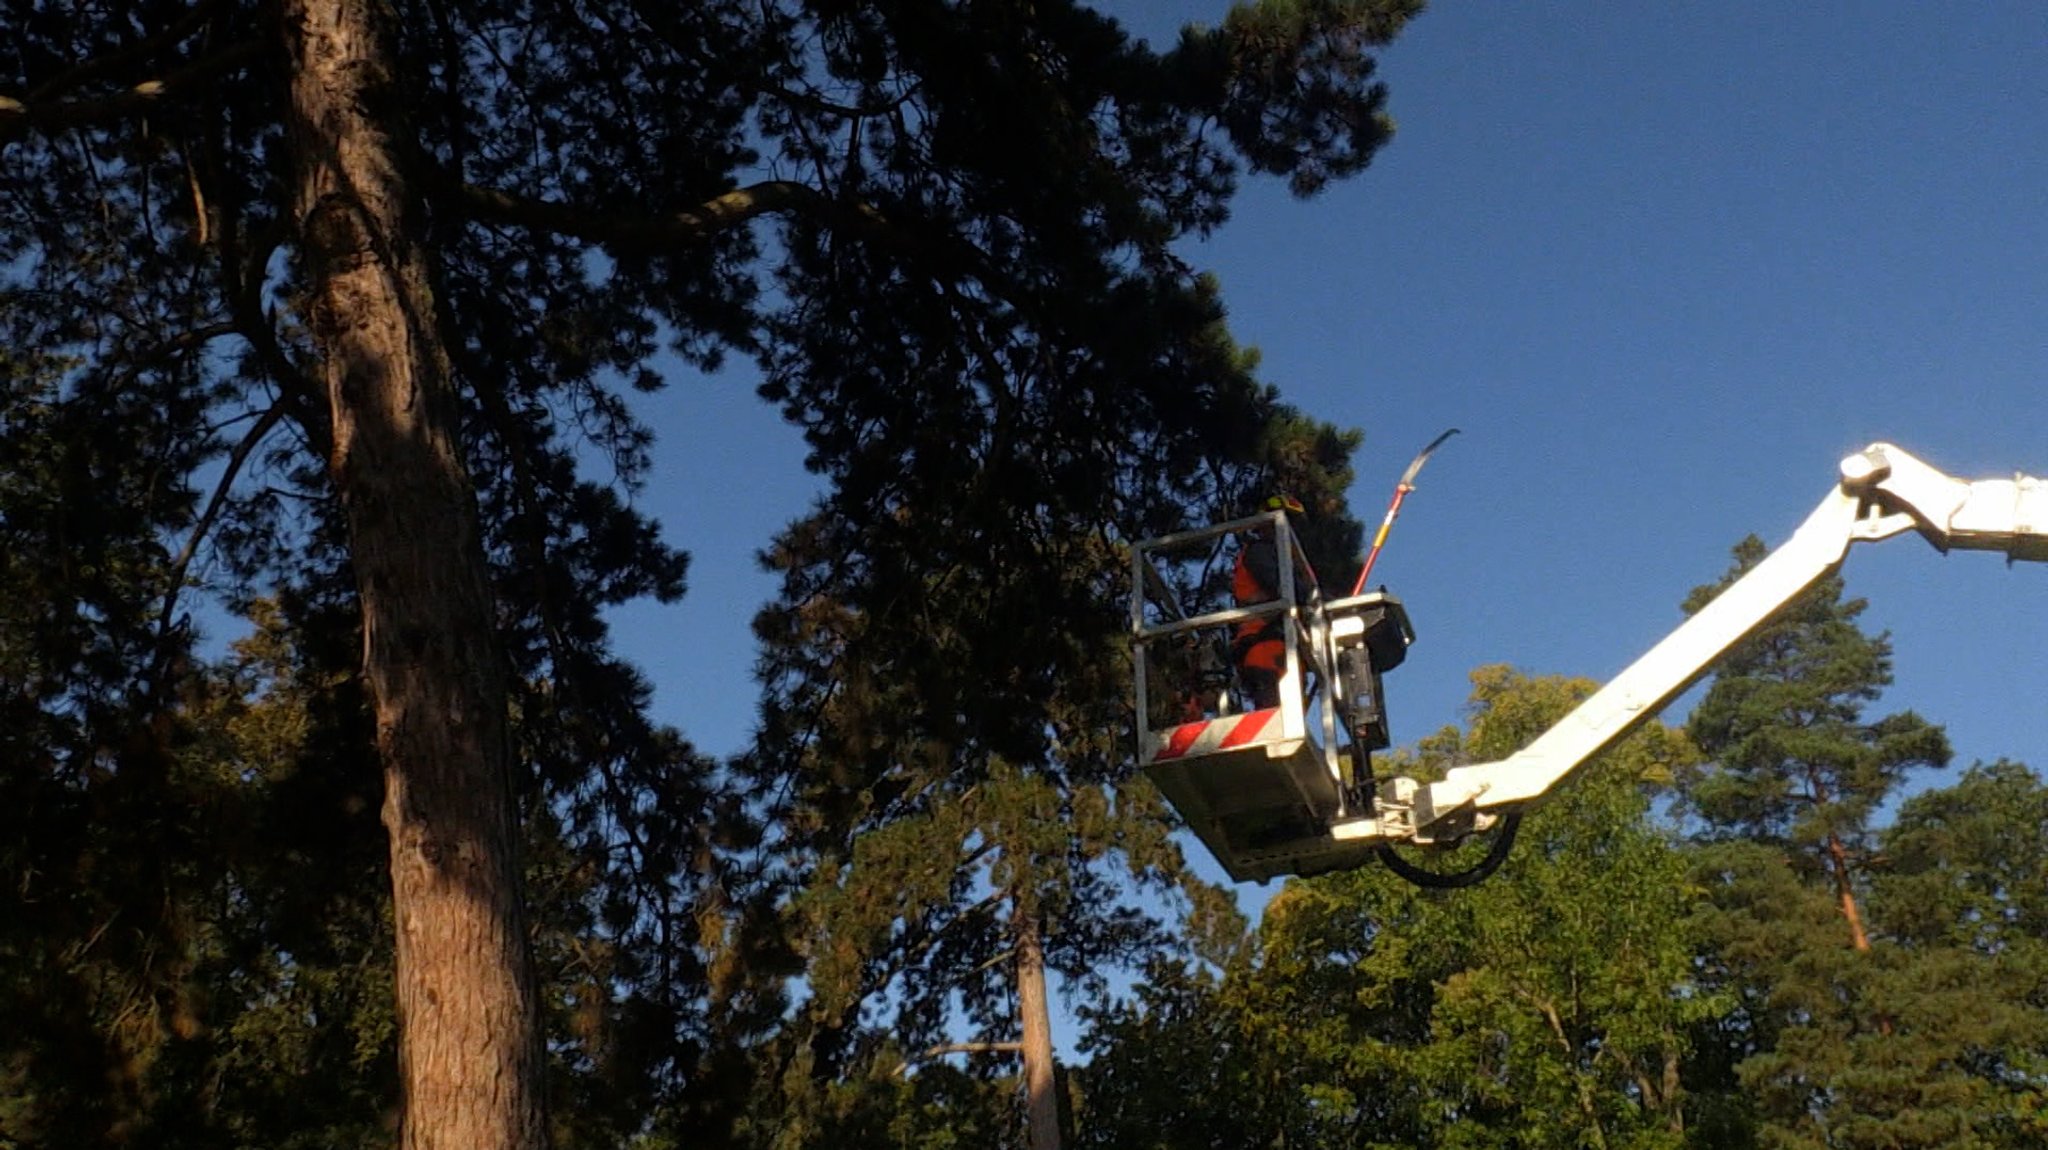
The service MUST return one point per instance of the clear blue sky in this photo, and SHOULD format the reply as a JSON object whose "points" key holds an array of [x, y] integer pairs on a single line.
{"points": [[1665, 265]]}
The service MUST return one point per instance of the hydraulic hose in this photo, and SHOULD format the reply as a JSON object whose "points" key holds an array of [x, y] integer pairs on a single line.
{"points": [[1503, 841]]}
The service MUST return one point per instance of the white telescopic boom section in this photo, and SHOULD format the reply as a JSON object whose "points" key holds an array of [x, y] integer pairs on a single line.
{"points": [[1883, 491]]}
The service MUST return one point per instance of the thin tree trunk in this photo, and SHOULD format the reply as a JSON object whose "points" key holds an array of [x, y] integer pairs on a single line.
{"points": [[1584, 1089], [1042, 1107], [1845, 895], [1838, 857], [1838, 868], [470, 1057], [1672, 1085]]}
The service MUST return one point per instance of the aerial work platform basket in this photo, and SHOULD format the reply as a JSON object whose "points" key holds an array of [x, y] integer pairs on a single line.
{"points": [[1259, 785]]}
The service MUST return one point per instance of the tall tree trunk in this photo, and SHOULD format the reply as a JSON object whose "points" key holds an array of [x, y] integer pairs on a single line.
{"points": [[470, 1055], [1041, 1103]]}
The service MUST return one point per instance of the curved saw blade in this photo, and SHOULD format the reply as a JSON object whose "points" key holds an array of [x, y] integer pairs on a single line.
{"points": [[1408, 476]]}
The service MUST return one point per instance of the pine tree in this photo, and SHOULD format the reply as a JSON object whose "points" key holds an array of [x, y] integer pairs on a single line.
{"points": [[1791, 759], [1963, 890], [1918, 1042], [1835, 1039], [372, 279], [948, 715]]}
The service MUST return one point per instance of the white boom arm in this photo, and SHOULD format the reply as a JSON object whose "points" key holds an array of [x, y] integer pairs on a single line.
{"points": [[1883, 492]]}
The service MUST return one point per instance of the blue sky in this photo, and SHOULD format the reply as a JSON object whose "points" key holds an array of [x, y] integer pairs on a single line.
{"points": [[1664, 265]]}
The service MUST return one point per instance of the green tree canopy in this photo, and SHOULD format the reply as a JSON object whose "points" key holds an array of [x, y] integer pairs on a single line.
{"points": [[954, 746], [1791, 757], [1854, 1027], [370, 287], [1549, 1006]]}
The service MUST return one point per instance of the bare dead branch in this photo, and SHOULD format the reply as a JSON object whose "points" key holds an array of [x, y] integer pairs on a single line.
{"points": [[946, 1048], [214, 503], [994, 961]]}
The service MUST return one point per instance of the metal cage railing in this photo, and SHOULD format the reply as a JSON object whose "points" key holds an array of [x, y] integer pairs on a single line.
{"points": [[1158, 617]]}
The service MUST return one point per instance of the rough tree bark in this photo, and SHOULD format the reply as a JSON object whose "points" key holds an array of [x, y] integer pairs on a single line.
{"points": [[469, 1041], [1041, 1104]]}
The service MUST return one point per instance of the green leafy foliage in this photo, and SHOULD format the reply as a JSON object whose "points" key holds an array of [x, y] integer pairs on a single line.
{"points": [[195, 950], [1550, 1006]]}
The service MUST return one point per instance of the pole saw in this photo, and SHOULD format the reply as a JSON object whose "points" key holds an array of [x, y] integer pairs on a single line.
{"points": [[1401, 491]]}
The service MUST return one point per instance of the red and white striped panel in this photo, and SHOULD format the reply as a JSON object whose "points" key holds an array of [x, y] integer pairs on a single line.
{"points": [[1199, 738]]}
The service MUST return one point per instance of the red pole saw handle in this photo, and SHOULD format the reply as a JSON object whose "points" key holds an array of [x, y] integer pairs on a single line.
{"points": [[1401, 491]]}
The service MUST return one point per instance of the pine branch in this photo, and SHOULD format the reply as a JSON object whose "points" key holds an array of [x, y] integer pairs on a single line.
{"points": [[137, 52], [221, 489], [943, 254], [915, 952], [716, 215], [18, 117], [242, 278]]}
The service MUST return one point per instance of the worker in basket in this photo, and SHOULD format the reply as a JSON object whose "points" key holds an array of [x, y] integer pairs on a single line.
{"points": [[1259, 646]]}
